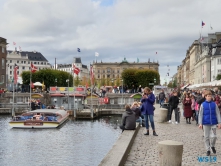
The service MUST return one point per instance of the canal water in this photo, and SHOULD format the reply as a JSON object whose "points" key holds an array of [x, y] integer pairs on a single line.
{"points": [[76, 143]]}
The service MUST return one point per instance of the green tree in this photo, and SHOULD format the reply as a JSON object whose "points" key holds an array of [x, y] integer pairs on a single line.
{"points": [[108, 82], [218, 77], [174, 83], [103, 81], [170, 85], [48, 76], [118, 82], [77, 81], [138, 77], [129, 77]]}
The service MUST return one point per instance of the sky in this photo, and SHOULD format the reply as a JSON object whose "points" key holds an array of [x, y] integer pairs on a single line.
{"points": [[134, 29]]}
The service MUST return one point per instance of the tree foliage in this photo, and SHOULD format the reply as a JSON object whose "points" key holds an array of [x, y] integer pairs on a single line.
{"points": [[48, 76], [142, 77], [218, 77]]}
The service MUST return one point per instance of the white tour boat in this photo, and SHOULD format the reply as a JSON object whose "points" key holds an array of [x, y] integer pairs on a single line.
{"points": [[40, 118]]}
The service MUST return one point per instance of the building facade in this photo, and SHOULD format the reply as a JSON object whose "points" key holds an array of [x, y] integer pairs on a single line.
{"points": [[3, 54], [201, 65], [23, 60], [113, 70], [84, 72]]}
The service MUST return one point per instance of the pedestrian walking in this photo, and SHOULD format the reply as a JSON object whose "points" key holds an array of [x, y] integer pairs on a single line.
{"points": [[209, 117], [193, 107], [173, 102], [187, 108]]}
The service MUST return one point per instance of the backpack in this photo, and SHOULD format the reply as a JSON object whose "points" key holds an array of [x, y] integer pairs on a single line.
{"points": [[196, 106]]}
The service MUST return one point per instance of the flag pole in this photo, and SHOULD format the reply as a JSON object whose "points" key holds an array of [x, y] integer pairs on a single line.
{"points": [[74, 96], [13, 107], [30, 91], [92, 114]]}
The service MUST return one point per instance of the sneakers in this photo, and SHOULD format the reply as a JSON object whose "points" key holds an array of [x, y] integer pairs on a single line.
{"points": [[213, 149], [176, 122], [169, 121], [208, 153]]}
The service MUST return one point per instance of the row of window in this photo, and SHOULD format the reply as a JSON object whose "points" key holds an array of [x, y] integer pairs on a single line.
{"points": [[23, 68], [28, 62], [108, 71], [108, 76]]}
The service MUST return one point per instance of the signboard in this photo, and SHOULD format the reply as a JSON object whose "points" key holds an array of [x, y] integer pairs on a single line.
{"points": [[151, 83], [70, 90]]}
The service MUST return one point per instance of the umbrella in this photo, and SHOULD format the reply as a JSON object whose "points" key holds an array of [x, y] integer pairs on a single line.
{"points": [[37, 84]]}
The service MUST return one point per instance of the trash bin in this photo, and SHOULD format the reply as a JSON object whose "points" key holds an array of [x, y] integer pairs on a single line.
{"points": [[167, 106]]}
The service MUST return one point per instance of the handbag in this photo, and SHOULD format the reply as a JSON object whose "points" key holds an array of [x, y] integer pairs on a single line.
{"points": [[154, 108]]}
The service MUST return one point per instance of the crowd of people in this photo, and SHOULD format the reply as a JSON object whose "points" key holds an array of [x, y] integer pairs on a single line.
{"points": [[202, 106]]}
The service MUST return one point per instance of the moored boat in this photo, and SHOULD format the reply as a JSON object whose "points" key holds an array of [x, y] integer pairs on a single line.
{"points": [[40, 118]]}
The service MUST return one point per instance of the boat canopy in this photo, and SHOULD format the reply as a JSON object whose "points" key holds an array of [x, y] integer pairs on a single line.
{"points": [[56, 111]]}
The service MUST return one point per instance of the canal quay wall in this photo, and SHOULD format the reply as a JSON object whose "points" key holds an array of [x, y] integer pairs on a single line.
{"points": [[118, 154]]}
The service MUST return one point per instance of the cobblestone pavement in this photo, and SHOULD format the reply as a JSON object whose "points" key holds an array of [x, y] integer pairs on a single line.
{"points": [[144, 150]]}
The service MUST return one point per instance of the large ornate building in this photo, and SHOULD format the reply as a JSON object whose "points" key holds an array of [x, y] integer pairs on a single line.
{"points": [[202, 62], [113, 70]]}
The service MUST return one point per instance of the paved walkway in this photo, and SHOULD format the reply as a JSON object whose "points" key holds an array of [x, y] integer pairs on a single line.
{"points": [[145, 148]]}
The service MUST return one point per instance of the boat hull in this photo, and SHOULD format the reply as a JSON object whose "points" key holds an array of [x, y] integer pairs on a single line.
{"points": [[37, 124]]}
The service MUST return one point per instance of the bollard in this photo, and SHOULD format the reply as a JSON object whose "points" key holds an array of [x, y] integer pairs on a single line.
{"points": [[170, 153], [163, 115]]}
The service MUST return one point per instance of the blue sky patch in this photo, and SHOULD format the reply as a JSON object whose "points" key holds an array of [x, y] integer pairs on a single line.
{"points": [[106, 2]]}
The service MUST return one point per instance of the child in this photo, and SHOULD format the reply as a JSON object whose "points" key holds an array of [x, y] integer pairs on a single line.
{"points": [[209, 117]]}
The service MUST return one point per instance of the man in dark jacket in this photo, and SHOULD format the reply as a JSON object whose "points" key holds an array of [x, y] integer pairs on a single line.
{"points": [[173, 102], [161, 97], [128, 119]]}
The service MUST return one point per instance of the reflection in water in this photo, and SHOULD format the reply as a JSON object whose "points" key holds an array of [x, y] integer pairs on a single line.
{"points": [[77, 143]]}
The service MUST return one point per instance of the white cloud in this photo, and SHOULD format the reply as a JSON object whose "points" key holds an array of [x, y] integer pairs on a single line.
{"points": [[134, 29]]}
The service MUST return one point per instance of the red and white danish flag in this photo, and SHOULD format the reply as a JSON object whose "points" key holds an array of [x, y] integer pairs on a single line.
{"points": [[76, 70], [33, 68]]}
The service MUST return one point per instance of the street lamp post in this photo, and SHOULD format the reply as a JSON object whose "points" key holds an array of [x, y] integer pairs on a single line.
{"points": [[122, 92], [68, 92]]}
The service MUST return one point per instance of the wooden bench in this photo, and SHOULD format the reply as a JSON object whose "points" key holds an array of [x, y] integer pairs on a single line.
{"points": [[120, 150]]}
